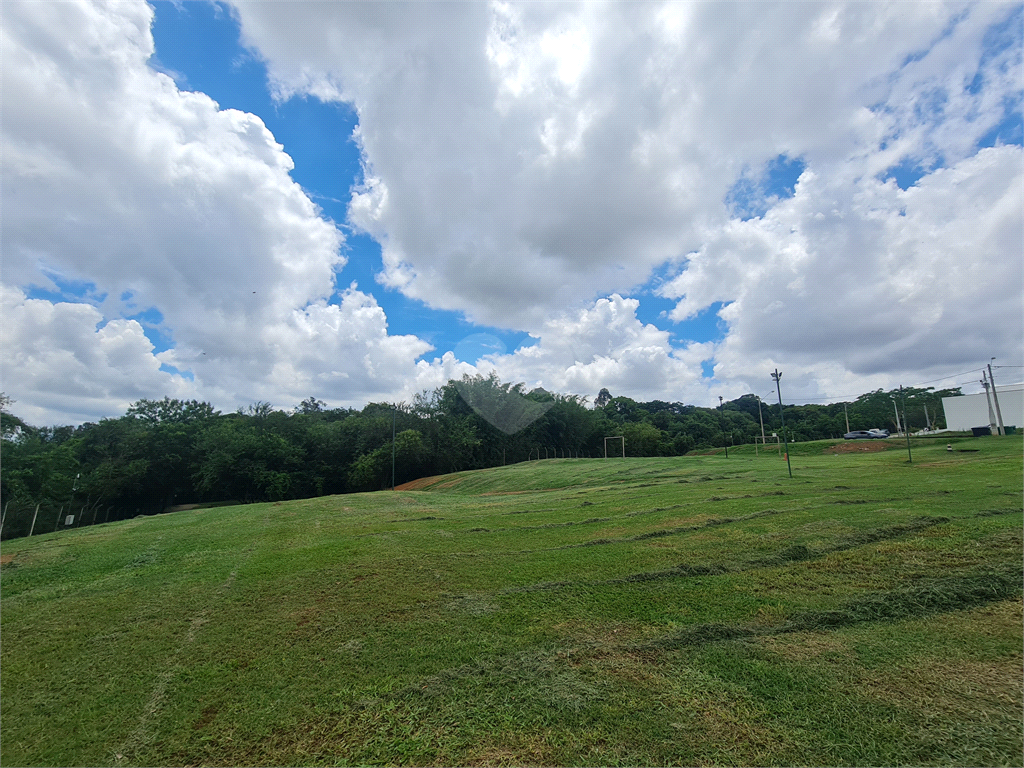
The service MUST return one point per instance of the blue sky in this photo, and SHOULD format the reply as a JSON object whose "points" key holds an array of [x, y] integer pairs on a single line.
{"points": [[575, 197]]}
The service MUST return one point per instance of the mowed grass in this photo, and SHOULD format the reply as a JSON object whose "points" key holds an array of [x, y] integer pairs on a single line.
{"points": [[683, 611]]}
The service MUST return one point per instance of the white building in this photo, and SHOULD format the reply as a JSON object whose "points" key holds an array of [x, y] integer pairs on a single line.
{"points": [[966, 411]]}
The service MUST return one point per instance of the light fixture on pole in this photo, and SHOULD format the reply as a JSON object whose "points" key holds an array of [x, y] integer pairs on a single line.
{"points": [[992, 426], [776, 376]]}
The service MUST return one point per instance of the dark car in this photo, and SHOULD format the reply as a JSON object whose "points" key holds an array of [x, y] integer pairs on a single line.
{"points": [[859, 434]]}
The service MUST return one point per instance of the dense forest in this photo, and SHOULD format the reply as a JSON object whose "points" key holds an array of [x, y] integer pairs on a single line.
{"points": [[170, 452]]}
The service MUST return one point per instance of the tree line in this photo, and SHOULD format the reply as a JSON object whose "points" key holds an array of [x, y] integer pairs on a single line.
{"points": [[169, 452]]}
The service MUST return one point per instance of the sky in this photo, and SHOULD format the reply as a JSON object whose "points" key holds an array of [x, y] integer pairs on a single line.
{"points": [[260, 201]]}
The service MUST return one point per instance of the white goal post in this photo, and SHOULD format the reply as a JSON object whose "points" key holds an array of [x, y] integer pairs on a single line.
{"points": [[615, 437]]}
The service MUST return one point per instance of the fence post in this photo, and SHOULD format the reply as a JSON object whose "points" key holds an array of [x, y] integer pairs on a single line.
{"points": [[34, 515]]}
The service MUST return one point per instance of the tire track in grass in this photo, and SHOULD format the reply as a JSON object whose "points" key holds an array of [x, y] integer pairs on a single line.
{"points": [[141, 736]]}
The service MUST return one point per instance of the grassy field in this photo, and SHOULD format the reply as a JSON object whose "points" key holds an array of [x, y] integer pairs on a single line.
{"points": [[693, 611]]}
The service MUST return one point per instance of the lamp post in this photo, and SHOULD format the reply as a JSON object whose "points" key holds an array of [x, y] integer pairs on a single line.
{"points": [[394, 417], [721, 412], [992, 426], [995, 399], [71, 502], [906, 427], [776, 376], [762, 420]]}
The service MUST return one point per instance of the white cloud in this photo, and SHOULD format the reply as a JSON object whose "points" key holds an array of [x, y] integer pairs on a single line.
{"points": [[63, 364], [526, 157], [158, 199], [604, 345], [522, 161], [869, 277], [523, 158]]}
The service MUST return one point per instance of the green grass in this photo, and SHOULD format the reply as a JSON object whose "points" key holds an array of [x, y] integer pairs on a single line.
{"points": [[683, 611]]}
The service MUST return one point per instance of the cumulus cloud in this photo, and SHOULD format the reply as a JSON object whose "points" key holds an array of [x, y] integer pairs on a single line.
{"points": [[871, 277], [159, 200], [529, 165], [65, 364], [523, 158], [581, 351]]}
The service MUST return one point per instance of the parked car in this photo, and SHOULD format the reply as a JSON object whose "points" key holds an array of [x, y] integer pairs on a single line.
{"points": [[879, 433], [858, 434]]}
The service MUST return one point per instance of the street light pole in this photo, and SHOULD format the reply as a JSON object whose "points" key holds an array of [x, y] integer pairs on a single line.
{"points": [[394, 416], [721, 412], [776, 376], [995, 399], [762, 420], [906, 427], [992, 426]]}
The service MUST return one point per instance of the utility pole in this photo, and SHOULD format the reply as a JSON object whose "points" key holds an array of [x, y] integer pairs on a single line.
{"points": [[897, 411], [927, 421], [988, 399], [906, 429], [995, 397], [776, 376], [720, 410], [394, 418], [847, 414]]}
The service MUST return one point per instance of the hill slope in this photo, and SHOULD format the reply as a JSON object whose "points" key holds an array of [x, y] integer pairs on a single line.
{"points": [[642, 611]]}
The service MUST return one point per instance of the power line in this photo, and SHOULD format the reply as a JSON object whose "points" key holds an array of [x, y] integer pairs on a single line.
{"points": [[953, 376], [851, 398]]}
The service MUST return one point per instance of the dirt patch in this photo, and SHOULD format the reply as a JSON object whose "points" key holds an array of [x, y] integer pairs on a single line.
{"points": [[419, 483], [6, 559], [857, 446]]}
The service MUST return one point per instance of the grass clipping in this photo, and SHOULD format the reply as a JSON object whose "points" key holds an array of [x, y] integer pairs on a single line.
{"points": [[934, 596]]}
